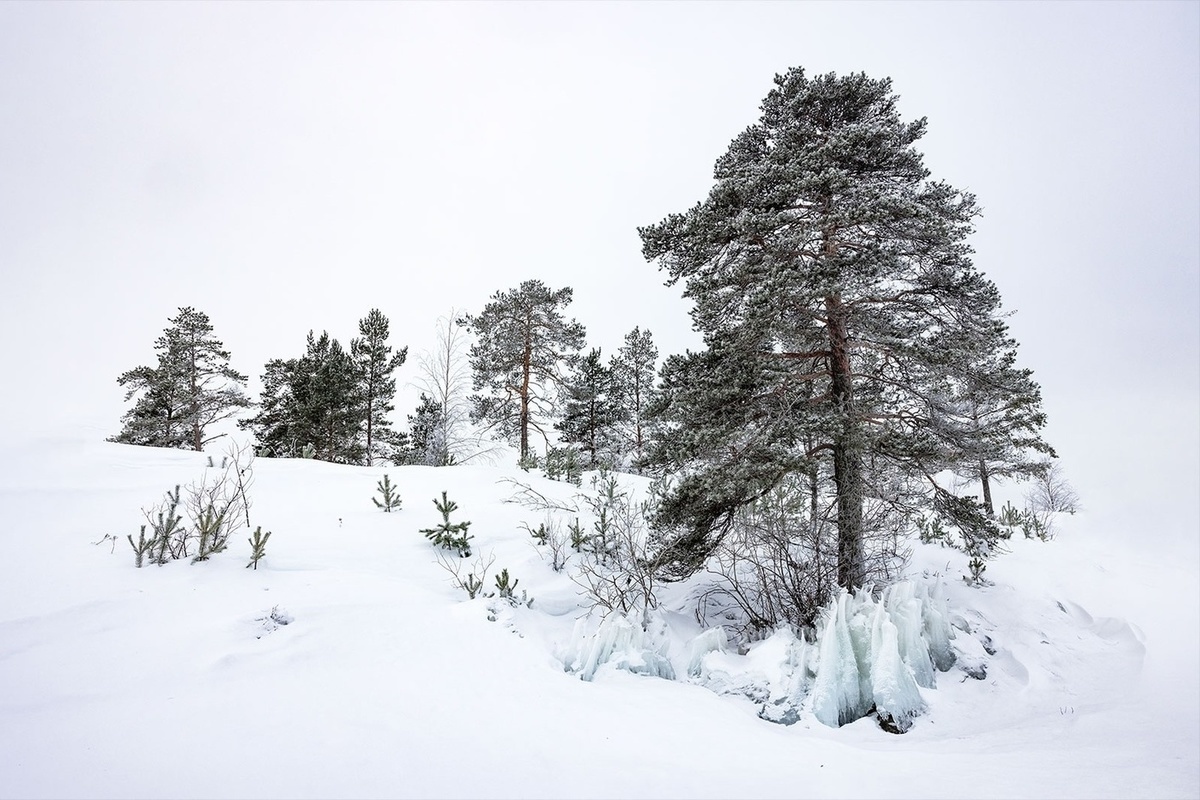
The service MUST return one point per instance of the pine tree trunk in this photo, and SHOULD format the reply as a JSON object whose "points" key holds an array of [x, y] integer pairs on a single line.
{"points": [[987, 488], [526, 368], [592, 435], [197, 432], [370, 416], [983, 470], [637, 422], [847, 460]]}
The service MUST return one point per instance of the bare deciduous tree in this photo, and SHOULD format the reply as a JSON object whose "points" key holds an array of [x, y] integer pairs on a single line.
{"points": [[445, 376]]}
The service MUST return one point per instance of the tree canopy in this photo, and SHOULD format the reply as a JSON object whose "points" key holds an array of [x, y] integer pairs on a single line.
{"points": [[190, 388], [846, 331], [522, 344]]}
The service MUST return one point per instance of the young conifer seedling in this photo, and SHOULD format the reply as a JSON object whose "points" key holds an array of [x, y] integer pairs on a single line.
{"points": [[258, 546], [449, 535], [390, 497]]}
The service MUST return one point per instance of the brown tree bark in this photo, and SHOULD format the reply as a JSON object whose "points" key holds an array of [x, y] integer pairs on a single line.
{"points": [[847, 460]]}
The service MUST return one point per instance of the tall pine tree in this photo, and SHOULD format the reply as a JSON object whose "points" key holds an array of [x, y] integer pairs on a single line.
{"points": [[522, 344], [590, 412], [634, 369], [375, 362], [191, 388], [842, 318]]}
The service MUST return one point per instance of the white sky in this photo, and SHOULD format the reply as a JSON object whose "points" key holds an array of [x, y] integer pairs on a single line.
{"points": [[289, 166]]}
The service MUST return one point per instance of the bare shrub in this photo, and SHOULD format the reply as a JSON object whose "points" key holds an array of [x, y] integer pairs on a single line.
{"points": [[468, 577], [620, 570], [1052, 492]]}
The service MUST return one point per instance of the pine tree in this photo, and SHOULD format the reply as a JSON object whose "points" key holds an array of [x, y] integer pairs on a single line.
{"points": [[191, 388], [590, 411], [278, 430], [313, 401], [833, 284], [332, 405], [522, 343], [990, 422], [427, 444], [375, 362], [634, 369], [449, 535]]}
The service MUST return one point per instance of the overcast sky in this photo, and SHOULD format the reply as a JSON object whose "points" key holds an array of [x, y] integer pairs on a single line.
{"points": [[286, 166]]}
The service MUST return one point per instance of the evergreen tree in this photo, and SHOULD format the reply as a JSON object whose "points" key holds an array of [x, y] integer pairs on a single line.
{"points": [[990, 422], [375, 362], [522, 343], [634, 369], [191, 388], [313, 401], [427, 443], [834, 288], [334, 406], [278, 430], [591, 412]]}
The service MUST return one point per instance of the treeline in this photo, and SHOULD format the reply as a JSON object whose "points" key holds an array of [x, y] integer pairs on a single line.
{"points": [[524, 378]]}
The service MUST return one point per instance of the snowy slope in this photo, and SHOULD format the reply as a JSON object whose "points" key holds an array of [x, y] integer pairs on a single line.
{"points": [[386, 681]]}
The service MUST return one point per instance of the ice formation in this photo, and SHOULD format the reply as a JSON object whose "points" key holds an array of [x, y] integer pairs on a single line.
{"points": [[712, 640], [869, 656], [838, 691], [875, 655], [624, 645]]}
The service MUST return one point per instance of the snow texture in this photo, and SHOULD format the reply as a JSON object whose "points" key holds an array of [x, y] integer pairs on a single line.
{"points": [[350, 646]]}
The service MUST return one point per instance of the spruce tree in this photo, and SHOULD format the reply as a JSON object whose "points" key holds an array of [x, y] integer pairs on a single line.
{"points": [[191, 388], [634, 369], [590, 411], [522, 344], [375, 362], [833, 285]]}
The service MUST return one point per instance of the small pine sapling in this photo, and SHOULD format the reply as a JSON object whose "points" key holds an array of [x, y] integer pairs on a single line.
{"points": [[932, 530], [562, 464], [506, 588], [471, 585], [505, 585], [449, 535], [211, 529], [1009, 516], [390, 497], [258, 546], [579, 539], [549, 536], [170, 536], [541, 535], [141, 547]]}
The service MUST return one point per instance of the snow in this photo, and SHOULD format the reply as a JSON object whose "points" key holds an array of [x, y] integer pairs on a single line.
{"points": [[348, 665]]}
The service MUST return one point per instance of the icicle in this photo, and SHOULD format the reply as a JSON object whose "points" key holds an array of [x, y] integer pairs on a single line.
{"points": [[712, 640]]}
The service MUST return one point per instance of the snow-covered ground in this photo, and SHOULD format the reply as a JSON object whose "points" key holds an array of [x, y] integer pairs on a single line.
{"points": [[347, 665]]}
